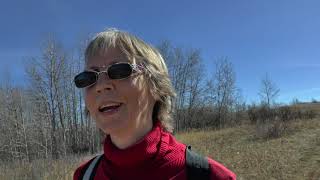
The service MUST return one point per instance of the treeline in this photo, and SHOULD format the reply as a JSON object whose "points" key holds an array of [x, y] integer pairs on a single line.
{"points": [[48, 118], [203, 100], [274, 121]]}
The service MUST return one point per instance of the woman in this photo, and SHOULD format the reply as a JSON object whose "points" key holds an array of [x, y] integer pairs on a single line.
{"points": [[129, 94]]}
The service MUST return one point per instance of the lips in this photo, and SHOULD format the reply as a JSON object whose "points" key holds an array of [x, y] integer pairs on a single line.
{"points": [[109, 107]]}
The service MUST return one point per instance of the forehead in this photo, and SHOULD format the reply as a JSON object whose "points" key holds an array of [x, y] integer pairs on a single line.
{"points": [[105, 58]]}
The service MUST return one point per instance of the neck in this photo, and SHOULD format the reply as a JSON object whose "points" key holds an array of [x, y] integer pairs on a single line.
{"points": [[132, 135]]}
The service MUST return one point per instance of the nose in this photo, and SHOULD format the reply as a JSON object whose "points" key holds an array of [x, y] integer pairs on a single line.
{"points": [[103, 83]]}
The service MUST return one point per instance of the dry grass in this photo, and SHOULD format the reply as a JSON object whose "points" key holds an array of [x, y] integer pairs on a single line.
{"points": [[308, 106], [40, 169], [295, 155]]}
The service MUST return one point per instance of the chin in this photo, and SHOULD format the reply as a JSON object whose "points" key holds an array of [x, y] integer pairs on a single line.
{"points": [[113, 127]]}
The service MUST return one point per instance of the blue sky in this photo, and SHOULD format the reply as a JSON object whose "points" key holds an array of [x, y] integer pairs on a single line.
{"points": [[278, 37]]}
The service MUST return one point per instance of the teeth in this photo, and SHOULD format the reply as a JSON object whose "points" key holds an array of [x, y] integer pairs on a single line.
{"points": [[109, 105]]}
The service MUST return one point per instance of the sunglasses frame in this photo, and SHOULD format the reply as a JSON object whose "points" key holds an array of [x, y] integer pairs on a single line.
{"points": [[135, 68]]}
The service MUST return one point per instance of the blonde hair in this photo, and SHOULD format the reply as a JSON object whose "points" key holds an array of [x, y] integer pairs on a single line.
{"points": [[156, 71]]}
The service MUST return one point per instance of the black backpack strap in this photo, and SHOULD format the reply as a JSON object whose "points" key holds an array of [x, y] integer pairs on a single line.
{"points": [[89, 170], [197, 166]]}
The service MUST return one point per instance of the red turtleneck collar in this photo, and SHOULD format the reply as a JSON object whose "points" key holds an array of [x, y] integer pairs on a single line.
{"points": [[143, 151], [158, 153]]}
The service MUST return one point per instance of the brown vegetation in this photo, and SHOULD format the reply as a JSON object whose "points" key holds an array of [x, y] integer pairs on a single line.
{"points": [[295, 155], [274, 122]]}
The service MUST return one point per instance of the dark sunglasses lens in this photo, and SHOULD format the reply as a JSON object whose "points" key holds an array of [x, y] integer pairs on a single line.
{"points": [[119, 71], [85, 79]]}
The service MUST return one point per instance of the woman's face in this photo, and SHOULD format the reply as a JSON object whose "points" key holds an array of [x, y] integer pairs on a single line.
{"points": [[117, 105]]}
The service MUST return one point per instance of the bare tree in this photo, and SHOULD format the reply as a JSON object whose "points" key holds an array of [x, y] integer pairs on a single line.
{"points": [[223, 91], [269, 91], [14, 126], [187, 76], [195, 89], [47, 74], [46, 119]]}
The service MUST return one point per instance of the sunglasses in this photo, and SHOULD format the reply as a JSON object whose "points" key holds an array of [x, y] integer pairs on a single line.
{"points": [[117, 71]]}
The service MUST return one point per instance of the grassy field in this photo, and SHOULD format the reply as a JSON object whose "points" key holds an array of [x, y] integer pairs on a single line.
{"points": [[308, 106], [40, 169], [295, 155]]}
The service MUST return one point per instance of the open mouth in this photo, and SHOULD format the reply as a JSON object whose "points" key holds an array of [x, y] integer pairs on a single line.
{"points": [[110, 107]]}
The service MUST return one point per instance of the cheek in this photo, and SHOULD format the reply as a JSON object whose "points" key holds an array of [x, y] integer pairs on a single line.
{"points": [[138, 94], [88, 99], [130, 93], [135, 90]]}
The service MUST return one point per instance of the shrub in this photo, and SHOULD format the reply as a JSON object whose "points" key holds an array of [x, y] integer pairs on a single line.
{"points": [[271, 128], [270, 122], [285, 113], [252, 114], [309, 114]]}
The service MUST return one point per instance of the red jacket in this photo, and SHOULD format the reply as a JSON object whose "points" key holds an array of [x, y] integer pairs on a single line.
{"points": [[158, 156]]}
